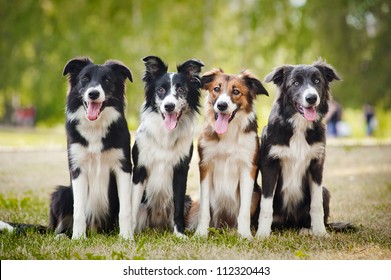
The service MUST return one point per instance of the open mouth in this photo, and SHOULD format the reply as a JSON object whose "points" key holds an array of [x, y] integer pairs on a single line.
{"points": [[93, 110], [171, 120], [309, 113], [222, 121]]}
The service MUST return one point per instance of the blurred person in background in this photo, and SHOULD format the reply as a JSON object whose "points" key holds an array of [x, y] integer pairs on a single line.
{"points": [[333, 116], [370, 119]]}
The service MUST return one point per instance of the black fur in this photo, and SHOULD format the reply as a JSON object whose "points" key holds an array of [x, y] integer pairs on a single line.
{"points": [[156, 76], [291, 82], [83, 73], [159, 84]]}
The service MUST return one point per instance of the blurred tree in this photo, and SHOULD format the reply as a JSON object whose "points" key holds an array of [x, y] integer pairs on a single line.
{"points": [[38, 37]]}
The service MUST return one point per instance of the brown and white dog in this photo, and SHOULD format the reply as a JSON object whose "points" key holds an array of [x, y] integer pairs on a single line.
{"points": [[228, 149]]}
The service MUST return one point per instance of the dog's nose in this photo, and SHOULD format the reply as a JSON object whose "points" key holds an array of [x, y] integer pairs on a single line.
{"points": [[93, 94], [169, 107], [222, 106], [311, 99]]}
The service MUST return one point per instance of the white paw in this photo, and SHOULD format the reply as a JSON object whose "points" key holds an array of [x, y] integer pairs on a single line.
{"points": [[79, 235], [320, 233], [245, 232], [246, 235], [318, 229], [202, 232], [262, 233], [126, 235], [180, 235], [308, 231], [5, 226]]}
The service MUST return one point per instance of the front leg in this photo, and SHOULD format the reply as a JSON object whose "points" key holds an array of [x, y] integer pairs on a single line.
{"points": [[246, 186], [316, 208], [179, 189], [204, 212], [125, 197], [138, 187], [80, 193], [270, 169]]}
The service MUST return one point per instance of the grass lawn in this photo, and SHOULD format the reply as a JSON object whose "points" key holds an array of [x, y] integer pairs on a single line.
{"points": [[358, 176]]}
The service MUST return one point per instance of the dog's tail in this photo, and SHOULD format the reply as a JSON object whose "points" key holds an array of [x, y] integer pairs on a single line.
{"points": [[60, 218], [20, 228], [341, 227], [334, 226]]}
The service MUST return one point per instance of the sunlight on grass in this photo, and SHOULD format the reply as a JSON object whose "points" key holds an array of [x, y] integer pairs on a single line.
{"points": [[33, 138]]}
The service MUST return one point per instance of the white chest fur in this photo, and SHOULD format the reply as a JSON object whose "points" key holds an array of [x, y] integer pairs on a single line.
{"points": [[295, 160], [227, 159], [160, 151], [94, 164]]}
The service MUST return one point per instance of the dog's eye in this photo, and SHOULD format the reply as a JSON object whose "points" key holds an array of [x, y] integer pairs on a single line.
{"points": [[180, 90], [161, 90], [85, 79], [216, 89], [316, 81], [106, 81], [235, 92], [296, 83]]}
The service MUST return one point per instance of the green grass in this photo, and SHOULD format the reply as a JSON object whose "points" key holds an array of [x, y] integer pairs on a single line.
{"points": [[222, 245], [371, 241], [359, 178]]}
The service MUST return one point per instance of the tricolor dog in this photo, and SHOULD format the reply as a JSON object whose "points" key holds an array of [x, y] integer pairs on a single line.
{"points": [[228, 150]]}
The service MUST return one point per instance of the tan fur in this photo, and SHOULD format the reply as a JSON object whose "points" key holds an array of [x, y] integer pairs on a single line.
{"points": [[226, 158]]}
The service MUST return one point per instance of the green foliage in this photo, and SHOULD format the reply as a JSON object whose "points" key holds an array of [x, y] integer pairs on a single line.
{"points": [[39, 37]]}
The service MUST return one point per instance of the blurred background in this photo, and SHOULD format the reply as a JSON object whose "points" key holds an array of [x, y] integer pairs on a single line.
{"points": [[38, 37]]}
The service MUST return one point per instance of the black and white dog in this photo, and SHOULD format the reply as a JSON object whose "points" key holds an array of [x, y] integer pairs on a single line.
{"points": [[98, 143], [292, 151], [164, 144]]}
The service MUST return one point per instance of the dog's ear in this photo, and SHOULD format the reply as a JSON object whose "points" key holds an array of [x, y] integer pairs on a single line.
{"points": [[327, 71], [278, 75], [209, 77], [253, 83], [155, 67], [120, 69], [191, 68], [74, 66]]}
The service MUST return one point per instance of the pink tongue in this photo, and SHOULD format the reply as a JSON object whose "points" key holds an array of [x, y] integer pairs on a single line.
{"points": [[221, 124], [93, 110], [170, 121], [310, 113]]}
